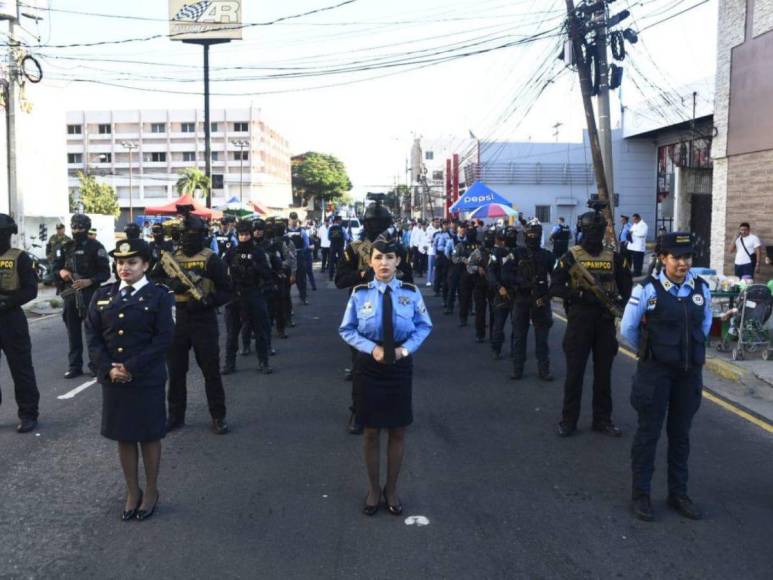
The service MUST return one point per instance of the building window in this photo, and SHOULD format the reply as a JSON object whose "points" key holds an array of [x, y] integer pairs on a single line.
{"points": [[241, 127], [437, 176], [213, 127], [189, 156], [158, 127], [104, 158], [105, 129], [75, 158], [215, 155], [542, 213], [189, 127], [155, 157], [74, 129], [241, 155], [429, 155]]}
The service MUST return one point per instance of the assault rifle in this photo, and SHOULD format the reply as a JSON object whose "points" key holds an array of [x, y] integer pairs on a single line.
{"points": [[198, 287], [80, 302], [584, 280]]}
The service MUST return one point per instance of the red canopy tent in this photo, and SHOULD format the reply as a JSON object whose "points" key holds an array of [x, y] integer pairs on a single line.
{"points": [[199, 209], [258, 208]]}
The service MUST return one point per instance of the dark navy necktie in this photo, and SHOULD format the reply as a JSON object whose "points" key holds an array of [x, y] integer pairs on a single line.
{"points": [[126, 292], [388, 327]]}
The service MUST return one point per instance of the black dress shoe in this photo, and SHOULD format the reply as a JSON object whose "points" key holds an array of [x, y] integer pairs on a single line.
{"points": [[462, 323], [272, 352], [220, 427], [496, 355], [685, 507], [305, 302], [173, 423], [394, 509], [129, 515], [354, 427], [292, 323], [26, 424], [73, 373], [143, 515], [609, 429], [265, 369], [245, 351], [283, 335], [348, 375], [370, 510], [642, 508], [565, 429], [517, 375], [228, 370], [480, 339]]}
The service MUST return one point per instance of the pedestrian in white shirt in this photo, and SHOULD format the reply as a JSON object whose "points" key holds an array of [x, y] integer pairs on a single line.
{"points": [[748, 252], [638, 245], [324, 245], [430, 234]]}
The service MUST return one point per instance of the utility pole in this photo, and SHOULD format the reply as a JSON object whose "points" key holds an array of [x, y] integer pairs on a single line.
{"points": [[242, 144], [586, 87], [15, 209], [602, 101], [131, 147]]}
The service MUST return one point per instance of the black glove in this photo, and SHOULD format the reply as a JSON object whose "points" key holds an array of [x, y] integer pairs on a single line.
{"points": [[178, 287], [203, 304]]}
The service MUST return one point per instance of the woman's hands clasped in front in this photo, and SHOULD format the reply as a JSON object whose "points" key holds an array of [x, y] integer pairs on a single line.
{"points": [[378, 354], [119, 374]]}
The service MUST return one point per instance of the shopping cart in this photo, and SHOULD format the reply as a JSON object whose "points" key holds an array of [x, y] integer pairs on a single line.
{"points": [[747, 326]]}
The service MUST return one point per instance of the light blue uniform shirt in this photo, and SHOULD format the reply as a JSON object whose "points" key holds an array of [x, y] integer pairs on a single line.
{"points": [[623, 237], [440, 242], [361, 326], [644, 298]]}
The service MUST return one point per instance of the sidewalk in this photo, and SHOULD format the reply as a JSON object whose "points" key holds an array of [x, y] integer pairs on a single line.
{"points": [[43, 305]]}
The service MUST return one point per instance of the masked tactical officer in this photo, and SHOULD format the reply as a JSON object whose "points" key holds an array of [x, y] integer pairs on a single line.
{"points": [[594, 283], [457, 273], [132, 231], [270, 291], [156, 246], [18, 285], [668, 319], [501, 298], [354, 269], [250, 272], [527, 280], [476, 270], [285, 251], [55, 242], [80, 268], [300, 240], [196, 324]]}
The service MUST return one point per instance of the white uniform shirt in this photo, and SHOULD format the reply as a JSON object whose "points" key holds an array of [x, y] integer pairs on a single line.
{"points": [[639, 236], [751, 242], [430, 233], [324, 241]]}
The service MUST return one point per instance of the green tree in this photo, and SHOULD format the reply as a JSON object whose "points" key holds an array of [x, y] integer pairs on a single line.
{"points": [[99, 198], [319, 174], [193, 181]]}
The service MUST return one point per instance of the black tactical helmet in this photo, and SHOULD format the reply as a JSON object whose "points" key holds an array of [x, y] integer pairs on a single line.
{"points": [[593, 226], [488, 238], [376, 219], [194, 223], [132, 231], [7, 223], [259, 224], [243, 227], [533, 234], [157, 229], [279, 228], [80, 221]]}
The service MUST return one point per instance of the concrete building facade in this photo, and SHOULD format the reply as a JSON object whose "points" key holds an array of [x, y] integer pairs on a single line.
{"points": [[743, 146], [250, 160]]}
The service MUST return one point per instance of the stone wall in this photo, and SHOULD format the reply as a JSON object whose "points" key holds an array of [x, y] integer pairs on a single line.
{"points": [[763, 17]]}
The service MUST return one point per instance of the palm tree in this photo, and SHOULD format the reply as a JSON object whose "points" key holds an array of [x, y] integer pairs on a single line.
{"points": [[193, 181]]}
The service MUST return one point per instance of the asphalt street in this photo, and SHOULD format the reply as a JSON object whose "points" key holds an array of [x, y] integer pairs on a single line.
{"points": [[281, 496]]}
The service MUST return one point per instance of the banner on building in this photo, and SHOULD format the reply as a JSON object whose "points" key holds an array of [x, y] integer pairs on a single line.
{"points": [[205, 20]]}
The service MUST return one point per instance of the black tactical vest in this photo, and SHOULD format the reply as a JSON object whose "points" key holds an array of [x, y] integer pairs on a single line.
{"points": [[9, 274], [296, 237]]}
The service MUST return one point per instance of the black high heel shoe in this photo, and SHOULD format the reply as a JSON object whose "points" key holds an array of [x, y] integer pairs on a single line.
{"points": [[370, 510], [143, 515], [395, 510], [131, 514]]}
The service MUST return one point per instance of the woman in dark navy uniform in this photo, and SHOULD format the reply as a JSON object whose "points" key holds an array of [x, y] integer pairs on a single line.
{"points": [[131, 326], [386, 321]]}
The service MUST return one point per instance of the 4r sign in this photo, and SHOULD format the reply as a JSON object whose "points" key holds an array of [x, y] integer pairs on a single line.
{"points": [[205, 20]]}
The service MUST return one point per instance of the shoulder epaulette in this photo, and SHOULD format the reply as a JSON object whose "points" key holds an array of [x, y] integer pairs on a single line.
{"points": [[360, 287], [409, 286]]}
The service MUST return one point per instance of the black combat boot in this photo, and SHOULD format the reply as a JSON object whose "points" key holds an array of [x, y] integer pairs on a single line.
{"points": [[544, 372], [220, 427], [685, 507], [264, 368], [229, 368], [642, 507], [517, 374]]}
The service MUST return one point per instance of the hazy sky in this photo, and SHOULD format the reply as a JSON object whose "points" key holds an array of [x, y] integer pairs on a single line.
{"points": [[369, 122]]}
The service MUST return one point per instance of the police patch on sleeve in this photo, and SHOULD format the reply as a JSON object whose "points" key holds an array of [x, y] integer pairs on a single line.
{"points": [[698, 299], [102, 253]]}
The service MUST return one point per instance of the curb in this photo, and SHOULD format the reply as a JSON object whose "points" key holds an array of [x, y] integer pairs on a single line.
{"points": [[726, 370]]}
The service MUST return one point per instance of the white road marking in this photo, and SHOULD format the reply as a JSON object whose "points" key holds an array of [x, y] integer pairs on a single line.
{"points": [[416, 521], [77, 390]]}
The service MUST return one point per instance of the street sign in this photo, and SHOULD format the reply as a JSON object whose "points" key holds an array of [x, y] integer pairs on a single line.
{"points": [[205, 20]]}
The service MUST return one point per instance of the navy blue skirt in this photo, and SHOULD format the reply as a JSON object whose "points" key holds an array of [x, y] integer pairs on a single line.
{"points": [[133, 413], [384, 393]]}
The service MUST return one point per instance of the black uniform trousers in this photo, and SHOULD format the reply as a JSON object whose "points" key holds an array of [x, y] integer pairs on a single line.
{"points": [[589, 330], [74, 323], [251, 310], [336, 254], [15, 344], [300, 273], [440, 283], [663, 393], [541, 317], [281, 305], [325, 254], [559, 250], [498, 320], [480, 297], [454, 283], [200, 331], [466, 287]]}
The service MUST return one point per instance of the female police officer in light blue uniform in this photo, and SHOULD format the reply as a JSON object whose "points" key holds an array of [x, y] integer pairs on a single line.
{"points": [[667, 318], [386, 321]]}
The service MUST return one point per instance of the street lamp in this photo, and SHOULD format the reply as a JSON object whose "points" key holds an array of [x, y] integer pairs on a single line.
{"points": [[131, 146], [242, 144]]}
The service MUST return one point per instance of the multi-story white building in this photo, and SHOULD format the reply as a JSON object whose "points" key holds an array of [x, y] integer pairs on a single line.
{"points": [[252, 158]]}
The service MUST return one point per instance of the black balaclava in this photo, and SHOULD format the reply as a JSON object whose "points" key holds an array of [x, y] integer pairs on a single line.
{"points": [[5, 240], [593, 226], [132, 231], [192, 242], [534, 237], [376, 220]]}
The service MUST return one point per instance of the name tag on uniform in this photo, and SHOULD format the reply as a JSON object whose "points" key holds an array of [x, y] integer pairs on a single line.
{"points": [[404, 300], [103, 302]]}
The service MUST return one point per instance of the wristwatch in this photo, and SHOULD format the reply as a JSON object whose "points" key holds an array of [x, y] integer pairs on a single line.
{"points": [[404, 351]]}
